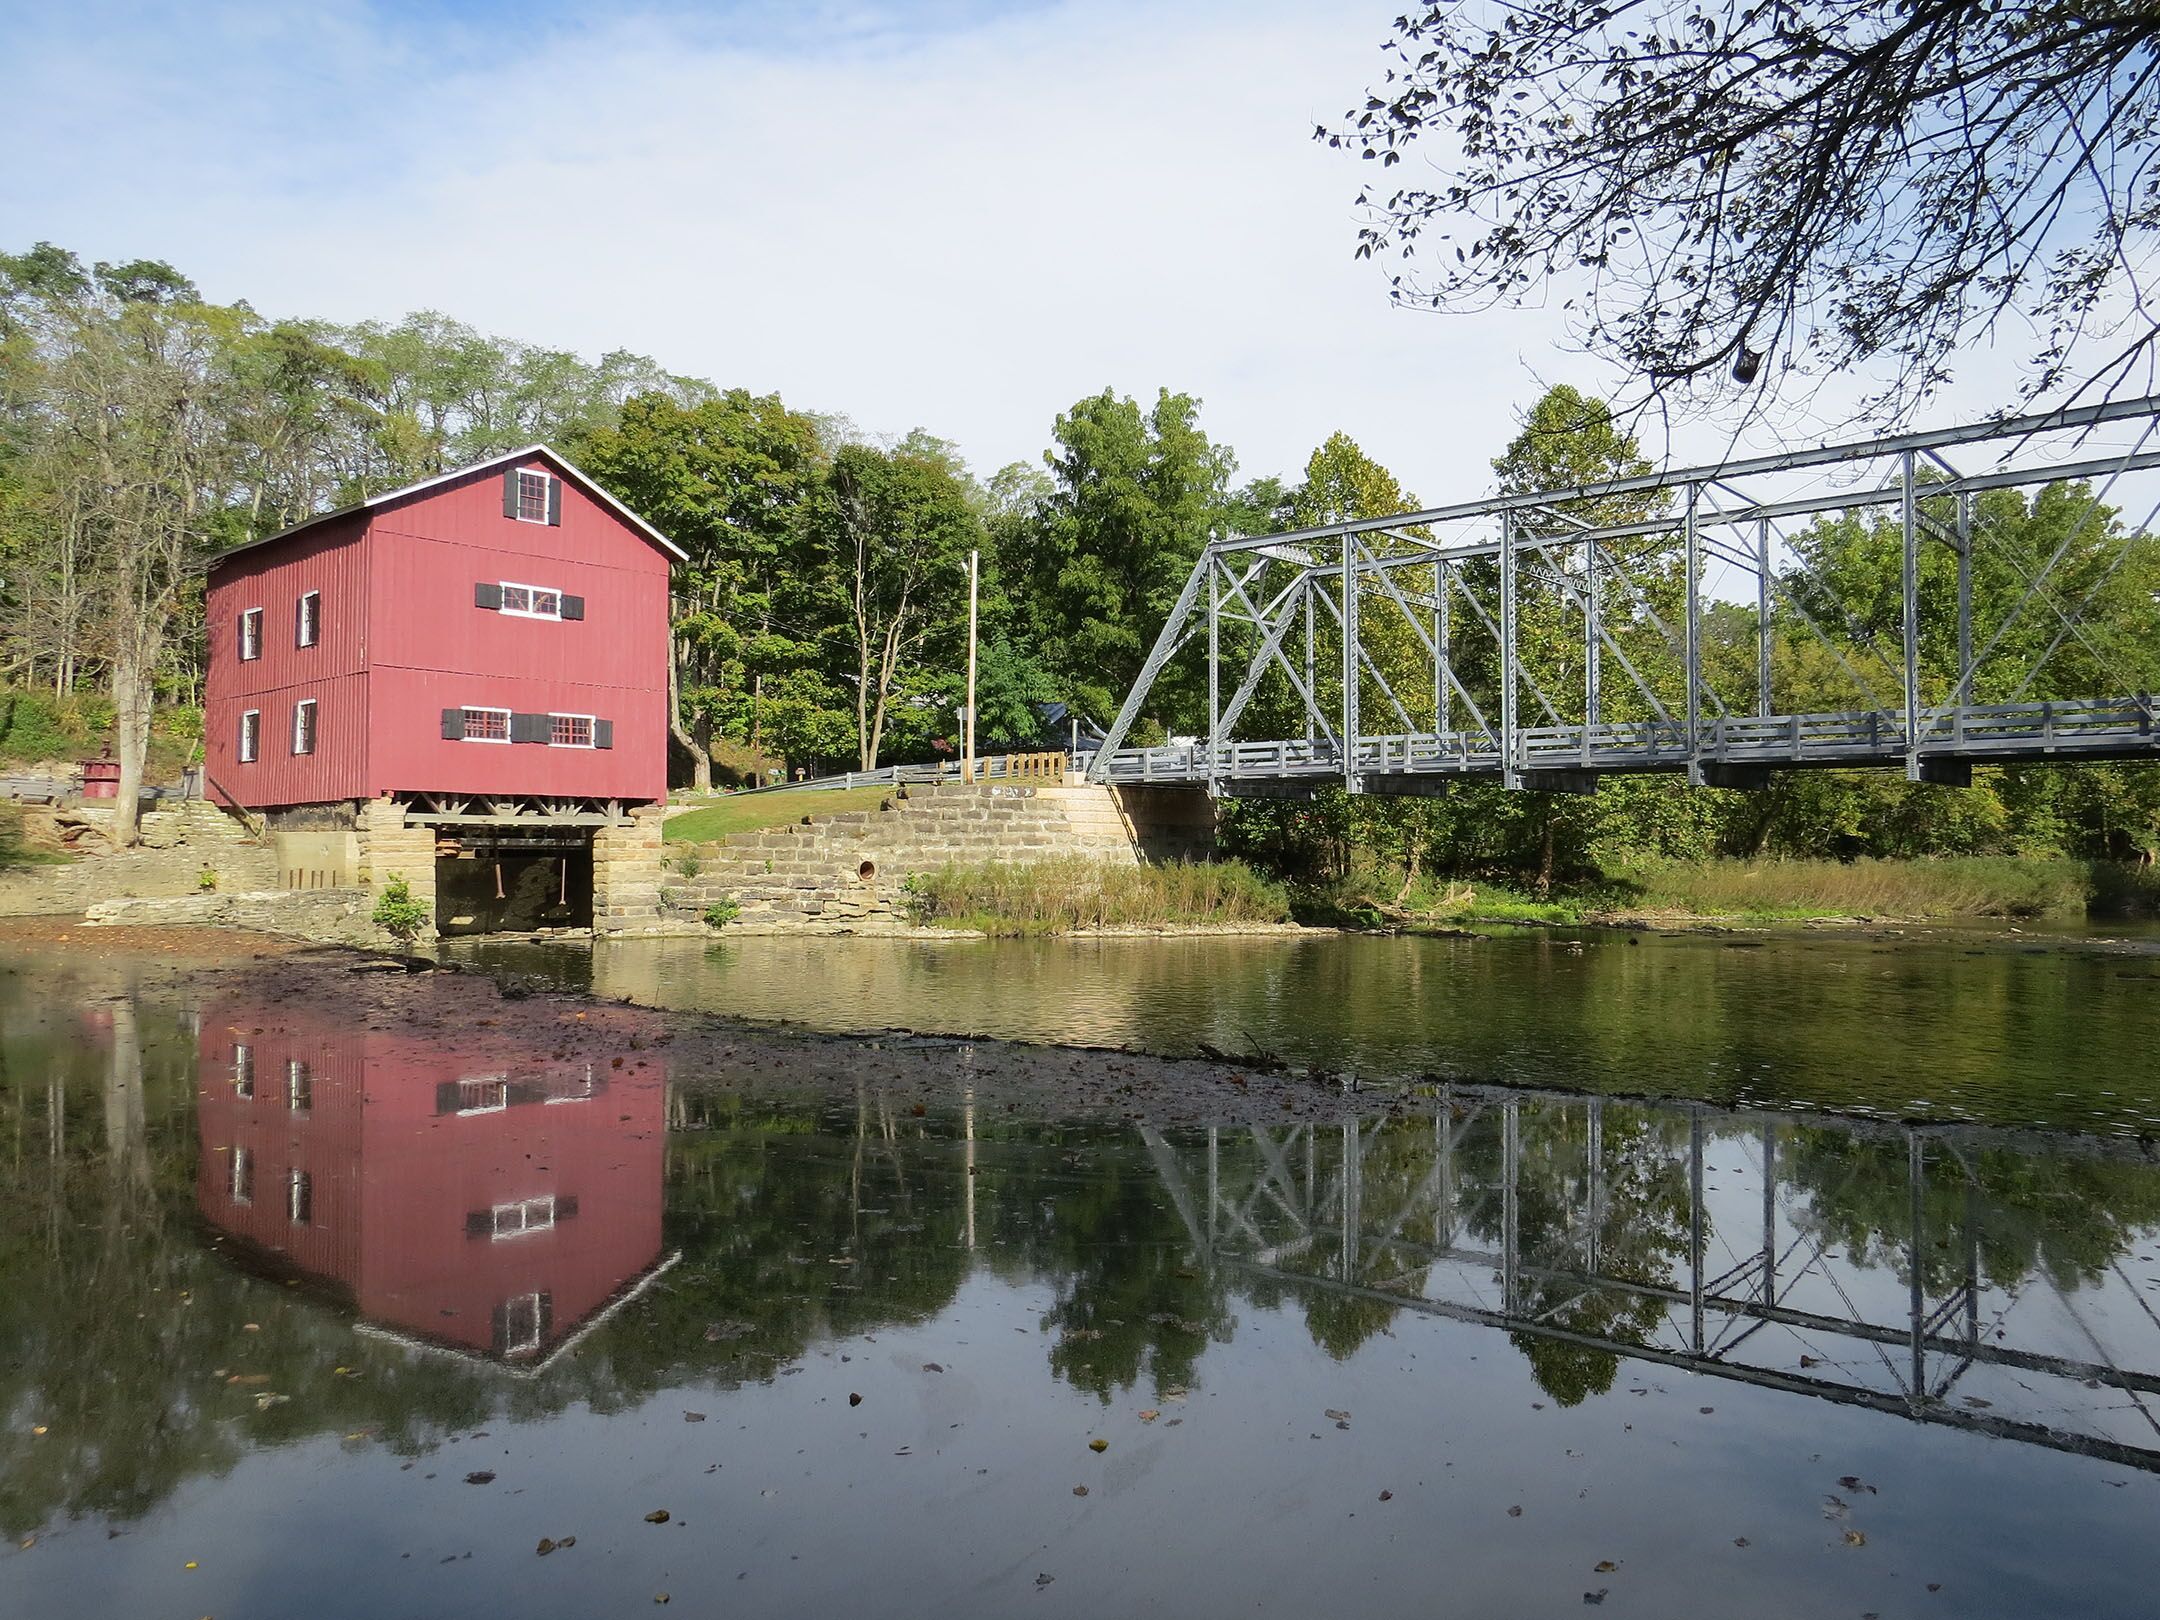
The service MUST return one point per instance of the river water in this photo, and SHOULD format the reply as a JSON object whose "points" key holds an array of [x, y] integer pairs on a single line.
{"points": [[2056, 1030], [298, 1317]]}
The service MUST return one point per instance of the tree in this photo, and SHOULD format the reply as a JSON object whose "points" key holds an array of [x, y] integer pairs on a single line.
{"points": [[727, 479], [895, 528], [1714, 182], [1136, 496]]}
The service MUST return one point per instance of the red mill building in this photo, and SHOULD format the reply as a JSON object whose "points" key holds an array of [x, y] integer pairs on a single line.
{"points": [[463, 683]]}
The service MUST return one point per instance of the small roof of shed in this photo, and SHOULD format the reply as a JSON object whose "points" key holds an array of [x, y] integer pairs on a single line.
{"points": [[391, 497]]}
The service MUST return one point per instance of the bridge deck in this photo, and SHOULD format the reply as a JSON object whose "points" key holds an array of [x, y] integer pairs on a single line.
{"points": [[2117, 728]]}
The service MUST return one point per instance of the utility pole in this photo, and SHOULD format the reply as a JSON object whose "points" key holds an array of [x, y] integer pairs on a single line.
{"points": [[967, 731]]}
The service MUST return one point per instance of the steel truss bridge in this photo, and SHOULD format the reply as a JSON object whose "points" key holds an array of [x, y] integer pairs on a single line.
{"points": [[1553, 1217], [1306, 616]]}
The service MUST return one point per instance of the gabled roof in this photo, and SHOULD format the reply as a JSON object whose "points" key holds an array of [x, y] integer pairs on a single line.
{"points": [[391, 497]]}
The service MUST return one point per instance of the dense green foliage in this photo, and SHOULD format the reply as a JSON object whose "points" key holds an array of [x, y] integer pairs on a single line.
{"points": [[398, 914]]}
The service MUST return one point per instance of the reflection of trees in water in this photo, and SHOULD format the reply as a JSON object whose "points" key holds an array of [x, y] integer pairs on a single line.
{"points": [[2067, 1216]]}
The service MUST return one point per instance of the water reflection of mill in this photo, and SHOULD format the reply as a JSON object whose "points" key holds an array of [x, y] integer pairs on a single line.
{"points": [[1953, 1276]]}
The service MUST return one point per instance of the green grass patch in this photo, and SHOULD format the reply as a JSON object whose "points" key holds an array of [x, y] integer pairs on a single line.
{"points": [[747, 812], [1060, 896]]}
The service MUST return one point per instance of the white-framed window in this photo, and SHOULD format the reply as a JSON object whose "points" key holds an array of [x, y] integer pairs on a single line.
{"points": [[532, 496], [303, 726], [487, 725], [307, 620], [523, 1216], [570, 731], [531, 601], [484, 1094], [243, 1175], [299, 1197], [299, 1087], [580, 1092], [251, 635], [250, 736], [521, 1324], [243, 1069]]}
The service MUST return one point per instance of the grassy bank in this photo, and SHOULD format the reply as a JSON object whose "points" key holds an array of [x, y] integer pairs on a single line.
{"points": [[749, 811], [1060, 896], [1946, 889]]}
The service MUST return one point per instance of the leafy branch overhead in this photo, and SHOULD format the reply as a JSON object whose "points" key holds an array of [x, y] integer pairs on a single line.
{"points": [[1713, 187]]}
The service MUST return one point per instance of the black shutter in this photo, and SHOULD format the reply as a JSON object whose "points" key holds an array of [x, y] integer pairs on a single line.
{"points": [[446, 1097], [530, 728], [565, 1208], [603, 734], [480, 1223], [547, 1317], [453, 725], [485, 595], [555, 502], [573, 607], [510, 493]]}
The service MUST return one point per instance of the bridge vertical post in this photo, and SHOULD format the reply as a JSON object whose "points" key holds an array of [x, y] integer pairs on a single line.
{"points": [[1444, 653], [1691, 659], [1963, 694], [1916, 1175], [1592, 696], [1594, 1248], [1214, 678], [1350, 653], [1510, 1214], [1695, 1226], [1310, 673], [1762, 618], [1510, 763], [1908, 523], [1769, 1215]]}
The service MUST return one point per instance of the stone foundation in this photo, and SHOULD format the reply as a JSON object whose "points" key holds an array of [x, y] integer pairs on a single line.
{"points": [[386, 846], [845, 873], [327, 916], [626, 874]]}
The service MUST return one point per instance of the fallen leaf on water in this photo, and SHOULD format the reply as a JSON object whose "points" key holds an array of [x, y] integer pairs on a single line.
{"points": [[1853, 1482], [1595, 1597], [1334, 1416], [693, 1417], [1855, 1538], [657, 1597], [657, 1516], [1387, 1496], [1835, 1507], [1079, 1490], [1605, 1566], [1739, 1541], [1044, 1580], [250, 1327], [190, 1564], [931, 1366], [854, 1399], [1149, 1415], [1514, 1512], [1706, 1410], [546, 1546], [249, 1378], [1098, 1445], [28, 1542], [482, 1477], [265, 1401], [1811, 1361], [37, 1428]]}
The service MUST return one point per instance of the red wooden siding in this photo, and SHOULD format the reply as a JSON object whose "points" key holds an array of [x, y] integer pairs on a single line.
{"points": [[395, 1178], [402, 640], [332, 560]]}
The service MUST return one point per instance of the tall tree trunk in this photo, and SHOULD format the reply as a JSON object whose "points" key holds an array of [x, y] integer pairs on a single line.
{"points": [[131, 689], [700, 757]]}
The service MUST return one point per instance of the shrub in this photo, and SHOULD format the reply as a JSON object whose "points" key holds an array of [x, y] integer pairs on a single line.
{"points": [[721, 912], [398, 914], [206, 880]]}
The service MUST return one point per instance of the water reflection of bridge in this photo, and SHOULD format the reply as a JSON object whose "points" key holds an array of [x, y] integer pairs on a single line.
{"points": [[1968, 1278]]}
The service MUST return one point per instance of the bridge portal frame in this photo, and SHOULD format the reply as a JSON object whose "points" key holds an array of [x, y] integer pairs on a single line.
{"points": [[1424, 568]]}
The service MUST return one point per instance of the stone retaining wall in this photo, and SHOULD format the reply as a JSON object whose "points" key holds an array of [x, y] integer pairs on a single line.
{"points": [[179, 846], [844, 873], [327, 916]]}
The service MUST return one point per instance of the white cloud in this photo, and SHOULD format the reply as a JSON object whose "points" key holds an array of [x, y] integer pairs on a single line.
{"points": [[955, 217]]}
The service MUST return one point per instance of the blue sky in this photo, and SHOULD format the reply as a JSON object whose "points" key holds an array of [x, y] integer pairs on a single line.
{"points": [[955, 215]]}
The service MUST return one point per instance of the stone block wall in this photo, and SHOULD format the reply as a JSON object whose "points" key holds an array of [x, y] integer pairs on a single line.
{"points": [[844, 873], [327, 916], [179, 845], [386, 846], [626, 874]]}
